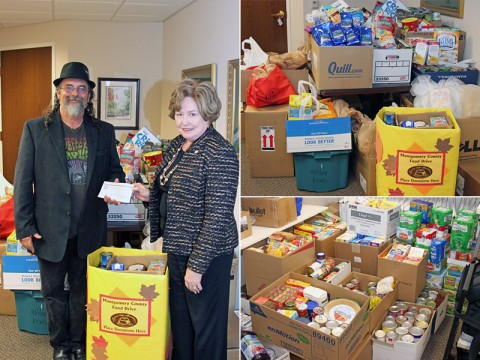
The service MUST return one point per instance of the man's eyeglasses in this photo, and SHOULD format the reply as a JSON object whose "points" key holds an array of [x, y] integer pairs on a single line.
{"points": [[81, 89]]}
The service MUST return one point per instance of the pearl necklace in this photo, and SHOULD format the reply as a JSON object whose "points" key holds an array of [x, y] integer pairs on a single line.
{"points": [[165, 175]]}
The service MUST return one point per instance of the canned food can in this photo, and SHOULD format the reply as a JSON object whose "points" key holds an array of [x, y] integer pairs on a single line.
{"points": [[407, 324], [321, 319], [410, 316], [408, 338], [105, 257], [372, 290], [350, 286], [302, 310], [431, 303], [403, 308], [416, 332], [355, 282], [413, 310], [389, 117], [426, 312], [388, 326], [401, 331], [318, 310], [290, 305], [380, 335], [390, 337], [371, 284], [422, 324], [332, 324], [389, 318], [420, 317], [400, 319], [314, 325], [421, 301], [393, 311], [337, 331], [325, 330]]}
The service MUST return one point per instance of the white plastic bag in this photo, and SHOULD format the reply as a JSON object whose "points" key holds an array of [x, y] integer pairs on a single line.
{"points": [[451, 93], [253, 56]]}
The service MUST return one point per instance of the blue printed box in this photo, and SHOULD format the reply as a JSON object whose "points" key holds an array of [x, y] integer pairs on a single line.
{"points": [[319, 135], [21, 272]]}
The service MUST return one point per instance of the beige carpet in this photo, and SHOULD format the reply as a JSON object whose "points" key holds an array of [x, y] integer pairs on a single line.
{"points": [[22, 345], [284, 186]]}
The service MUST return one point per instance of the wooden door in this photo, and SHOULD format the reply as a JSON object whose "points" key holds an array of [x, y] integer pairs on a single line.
{"points": [[26, 92], [258, 20]]}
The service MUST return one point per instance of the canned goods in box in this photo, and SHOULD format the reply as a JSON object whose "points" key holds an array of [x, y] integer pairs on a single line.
{"points": [[401, 331], [105, 257], [391, 337], [321, 319], [408, 338], [403, 307], [410, 316], [388, 326], [400, 319], [420, 317], [332, 324], [393, 311], [426, 312]]}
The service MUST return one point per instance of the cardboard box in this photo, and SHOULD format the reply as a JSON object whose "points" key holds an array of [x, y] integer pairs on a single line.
{"points": [[342, 274], [469, 138], [303, 340], [364, 170], [366, 220], [271, 211], [410, 277], [126, 212], [440, 311], [245, 224], [327, 245], [364, 350], [392, 66], [363, 258], [342, 67], [467, 76], [21, 272], [293, 75], [406, 100], [376, 314], [7, 297], [401, 350], [263, 269], [266, 138], [468, 178], [319, 135]]}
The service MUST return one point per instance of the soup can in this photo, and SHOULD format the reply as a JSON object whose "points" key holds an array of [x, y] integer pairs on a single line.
{"points": [[314, 325], [416, 332], [321, 319], [410, 316], [318, 310], [413, 310], [401, 331], [393, 311], [389, 318], [408, 338], [407, 324], [420, 317], [371, 284], [355, 282], [432, 295], [403, 307], [431, 303], [337, 331], [350, 286], [325, 330], [390, 337], [105, 257], [422, 324], [426, 312], [372, 290], [400, 319], [302, 310], [380, 335], [421, 301], [332, 324], [388, 326]]}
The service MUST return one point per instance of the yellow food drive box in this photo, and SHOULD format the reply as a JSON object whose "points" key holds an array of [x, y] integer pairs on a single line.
{"points": [[127, 311], [419, 161]]}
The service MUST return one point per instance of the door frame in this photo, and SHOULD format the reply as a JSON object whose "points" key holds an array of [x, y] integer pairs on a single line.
{"points": [[21, 47]]}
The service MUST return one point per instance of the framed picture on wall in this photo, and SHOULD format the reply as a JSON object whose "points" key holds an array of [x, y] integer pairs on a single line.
{"points": [[446, 7], [118, 102]]}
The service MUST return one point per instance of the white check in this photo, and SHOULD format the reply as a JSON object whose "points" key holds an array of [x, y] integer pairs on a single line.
{"points": [[117, 191]]}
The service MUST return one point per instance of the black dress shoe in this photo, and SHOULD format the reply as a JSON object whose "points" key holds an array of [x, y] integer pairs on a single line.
{"points": [[79, 354], [61, 354]]}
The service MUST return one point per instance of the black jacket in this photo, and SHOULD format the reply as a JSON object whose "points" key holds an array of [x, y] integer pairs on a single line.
{"points": [[46, 210]]}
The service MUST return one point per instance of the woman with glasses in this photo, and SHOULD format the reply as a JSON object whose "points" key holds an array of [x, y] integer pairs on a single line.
{"points": [[64, 158], [191, 206]]}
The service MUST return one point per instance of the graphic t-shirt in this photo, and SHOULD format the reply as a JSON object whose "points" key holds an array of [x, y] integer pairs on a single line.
{"points": [[76, 151]]}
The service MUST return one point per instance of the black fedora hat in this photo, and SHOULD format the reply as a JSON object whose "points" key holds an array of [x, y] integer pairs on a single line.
{"points": [[75, 70]]}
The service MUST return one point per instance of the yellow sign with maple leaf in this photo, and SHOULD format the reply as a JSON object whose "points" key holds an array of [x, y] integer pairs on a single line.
{"points": [[416, 161]]}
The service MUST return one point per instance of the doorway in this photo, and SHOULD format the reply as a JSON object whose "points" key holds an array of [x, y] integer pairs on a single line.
{"points": [[26, 90]]}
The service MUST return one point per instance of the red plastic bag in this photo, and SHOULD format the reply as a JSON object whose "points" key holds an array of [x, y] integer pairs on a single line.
{"points": [[7, 222], [269, 86]]}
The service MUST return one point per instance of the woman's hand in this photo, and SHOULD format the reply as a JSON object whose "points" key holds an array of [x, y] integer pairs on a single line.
{"points": [[193, 281], [140, 192]]}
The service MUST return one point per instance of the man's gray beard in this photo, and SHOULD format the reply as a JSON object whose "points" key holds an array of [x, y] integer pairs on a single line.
{"points": [[74, 109]]}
